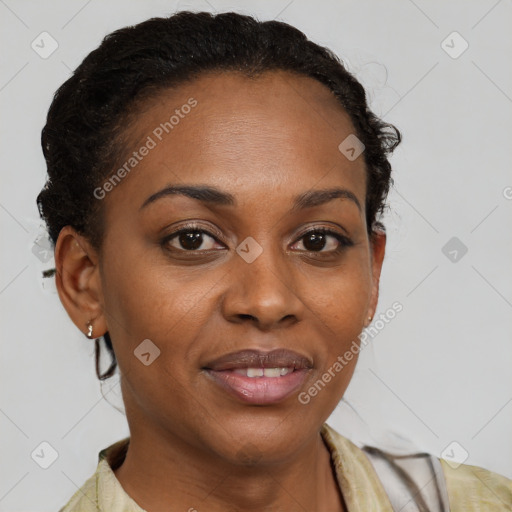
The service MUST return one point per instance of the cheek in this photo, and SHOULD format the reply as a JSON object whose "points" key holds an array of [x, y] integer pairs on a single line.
{"points": [[148, 300], [339, 307], [151, 306], [340, 300]]}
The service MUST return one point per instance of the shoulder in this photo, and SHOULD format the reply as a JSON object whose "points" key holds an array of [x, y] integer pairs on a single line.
{"points": [[102, 491], [471, 488], [84, 499], [468, 488]]}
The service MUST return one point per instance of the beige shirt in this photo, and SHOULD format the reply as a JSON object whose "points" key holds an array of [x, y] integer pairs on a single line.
{"points": [[470, 488]]}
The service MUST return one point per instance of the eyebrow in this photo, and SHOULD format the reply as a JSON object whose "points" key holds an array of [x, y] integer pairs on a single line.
{"points": [[213, 195]]}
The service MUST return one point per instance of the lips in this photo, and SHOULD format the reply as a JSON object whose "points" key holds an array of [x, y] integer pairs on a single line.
{"points": [[258, 377], [280, 358]]}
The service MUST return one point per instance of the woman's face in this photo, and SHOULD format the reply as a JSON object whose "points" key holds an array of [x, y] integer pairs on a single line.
{"points": [[251, 274]]}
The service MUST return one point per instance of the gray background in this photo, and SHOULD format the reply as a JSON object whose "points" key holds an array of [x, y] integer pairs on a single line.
{"points": [[435, 378]]}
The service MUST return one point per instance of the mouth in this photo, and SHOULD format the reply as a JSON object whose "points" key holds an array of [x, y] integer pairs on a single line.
{"points": [[260, 378]]}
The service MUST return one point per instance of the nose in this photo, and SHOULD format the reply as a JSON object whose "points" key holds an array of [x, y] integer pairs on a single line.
{"points": [[263, 292]]}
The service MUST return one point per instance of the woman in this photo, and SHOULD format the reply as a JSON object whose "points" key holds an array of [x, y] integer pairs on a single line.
{"points": [[214, 193]]}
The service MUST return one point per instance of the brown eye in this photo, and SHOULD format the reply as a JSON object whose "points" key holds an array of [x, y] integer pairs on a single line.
{"points": [[319, 239], [191, 239]]}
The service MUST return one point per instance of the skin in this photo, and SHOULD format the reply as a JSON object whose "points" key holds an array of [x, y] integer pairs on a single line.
{"points": [[264, 141]]}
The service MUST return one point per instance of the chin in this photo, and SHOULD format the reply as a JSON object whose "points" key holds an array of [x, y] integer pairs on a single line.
{"points": [[262, 439]]}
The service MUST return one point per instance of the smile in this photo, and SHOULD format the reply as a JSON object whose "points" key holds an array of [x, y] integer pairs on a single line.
{"points": [[260, 378]]}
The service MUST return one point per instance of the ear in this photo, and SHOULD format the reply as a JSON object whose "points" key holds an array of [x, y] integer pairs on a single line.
{"points": [[378, 249], [78, 281]]}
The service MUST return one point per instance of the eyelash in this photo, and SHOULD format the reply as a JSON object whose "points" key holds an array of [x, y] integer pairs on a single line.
{"points": [[343, 240]]}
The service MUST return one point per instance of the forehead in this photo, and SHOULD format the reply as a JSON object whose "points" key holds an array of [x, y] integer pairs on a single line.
{"points": [[277, 131]]}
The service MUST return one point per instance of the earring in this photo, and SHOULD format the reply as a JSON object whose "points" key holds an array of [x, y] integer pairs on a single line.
{"points": [[89, 330]]}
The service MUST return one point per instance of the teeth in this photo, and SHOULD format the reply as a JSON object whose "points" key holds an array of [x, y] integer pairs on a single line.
{"points": [[255, 372], [264, 372]]}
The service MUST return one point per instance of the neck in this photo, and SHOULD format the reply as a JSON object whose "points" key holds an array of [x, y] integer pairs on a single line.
{"points": [[163, 473]]}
